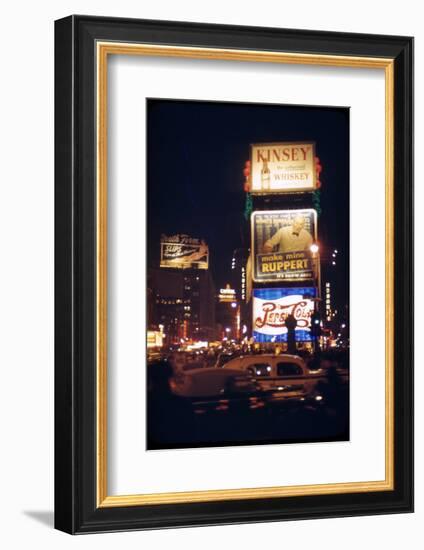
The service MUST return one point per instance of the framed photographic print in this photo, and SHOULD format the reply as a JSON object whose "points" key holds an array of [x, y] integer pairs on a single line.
{"points": [[234, 274]]}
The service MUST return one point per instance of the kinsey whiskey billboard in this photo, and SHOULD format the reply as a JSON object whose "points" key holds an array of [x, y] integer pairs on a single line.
{"points": [[282, 167], [272, 306], [281, 245], [183, 251]]}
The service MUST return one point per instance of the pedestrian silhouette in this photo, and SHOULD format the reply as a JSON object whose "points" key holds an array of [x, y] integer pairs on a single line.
{"points": [[291, 325]]}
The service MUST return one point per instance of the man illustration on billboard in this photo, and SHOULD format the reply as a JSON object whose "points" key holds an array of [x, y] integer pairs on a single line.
{"points": [[291, 238]]}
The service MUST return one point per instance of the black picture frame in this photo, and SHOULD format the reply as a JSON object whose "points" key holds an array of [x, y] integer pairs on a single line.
{"points": [[76, 483]]}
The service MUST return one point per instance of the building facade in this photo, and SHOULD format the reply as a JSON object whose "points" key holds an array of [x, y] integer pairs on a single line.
{"points": [[182, 301]]}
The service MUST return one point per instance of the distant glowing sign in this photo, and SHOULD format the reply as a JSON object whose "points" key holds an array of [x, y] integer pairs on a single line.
{"points": [[282, 167], [281, 244], [183, 252], [197, 345], [154, 339], [272, 306], [227, 294], [243, 283], [328, 301]]}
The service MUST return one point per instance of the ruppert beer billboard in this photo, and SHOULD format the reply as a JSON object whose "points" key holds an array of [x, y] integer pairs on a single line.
{"points": [[184, 252], [281, 242], [271, 306], [282, 167]]}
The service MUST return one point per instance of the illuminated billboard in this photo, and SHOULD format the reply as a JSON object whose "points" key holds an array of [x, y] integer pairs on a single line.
{"points": [[154, 339], [282, 167], [281, 245], [227, 294], [272, 306], [183, 252]]}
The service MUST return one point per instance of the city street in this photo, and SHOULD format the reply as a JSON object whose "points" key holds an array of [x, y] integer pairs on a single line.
{"points": [[249, 410]]}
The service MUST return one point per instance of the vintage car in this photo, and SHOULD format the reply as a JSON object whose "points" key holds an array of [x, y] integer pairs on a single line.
{"points": [[287, 374]]}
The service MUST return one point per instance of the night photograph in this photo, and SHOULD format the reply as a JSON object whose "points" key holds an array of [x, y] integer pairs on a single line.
{"points": [[247, 274]]}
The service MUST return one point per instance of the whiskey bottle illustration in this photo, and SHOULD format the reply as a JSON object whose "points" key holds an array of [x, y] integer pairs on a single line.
{"points": [[265, 177]]}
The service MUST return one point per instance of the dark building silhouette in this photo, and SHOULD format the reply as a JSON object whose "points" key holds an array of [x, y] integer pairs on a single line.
{"points": [[183, 302], [228, 313]]}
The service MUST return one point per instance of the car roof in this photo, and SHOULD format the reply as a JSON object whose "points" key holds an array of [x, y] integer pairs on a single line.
{"points": [[208, 370], [271, 356]]}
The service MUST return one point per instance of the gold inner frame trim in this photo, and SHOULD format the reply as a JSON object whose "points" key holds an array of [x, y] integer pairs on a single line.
{"points": [[103, 50]]}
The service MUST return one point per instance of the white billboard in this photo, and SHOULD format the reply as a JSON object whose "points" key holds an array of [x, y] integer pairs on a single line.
{"points": [[183, 252], [282, 167]]}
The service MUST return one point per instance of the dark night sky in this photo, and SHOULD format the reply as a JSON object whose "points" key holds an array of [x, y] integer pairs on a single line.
{"points": [[196, 155]]}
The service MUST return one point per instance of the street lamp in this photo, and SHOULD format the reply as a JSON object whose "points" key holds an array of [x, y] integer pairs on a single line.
{"points": [[314, 248], [315, 329]]}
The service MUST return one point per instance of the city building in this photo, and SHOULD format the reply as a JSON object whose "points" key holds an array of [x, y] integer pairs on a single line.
{"points": [[240, 284], [335, 296], [228, 314], [183, 302], [199, 308]]}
